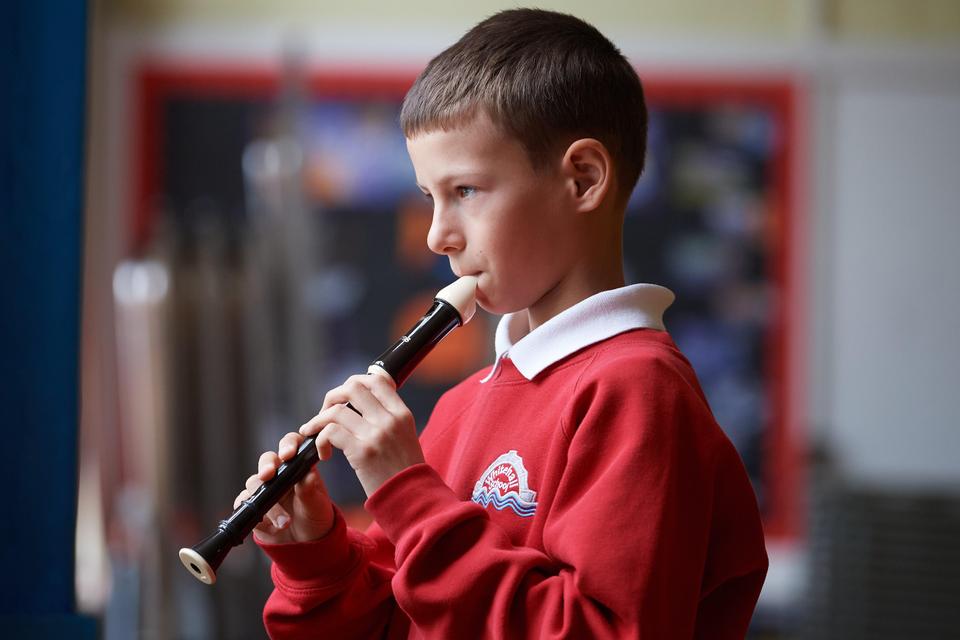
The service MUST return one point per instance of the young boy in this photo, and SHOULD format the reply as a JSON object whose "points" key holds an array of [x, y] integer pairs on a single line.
{"points": [[579, 487]]}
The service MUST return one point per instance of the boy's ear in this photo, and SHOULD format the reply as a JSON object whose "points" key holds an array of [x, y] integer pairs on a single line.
{"points": [[588, 167]]}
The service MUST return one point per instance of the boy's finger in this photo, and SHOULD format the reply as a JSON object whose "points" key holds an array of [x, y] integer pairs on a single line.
{"points": [[324, 450], [357, 391], [243, 495], [289, 444], [317, 422], [384, 389], [278, 517], [313, 481], [307, 488], [338, 436], [312, 494], [339, 413], [253, 483], [267, 465]]}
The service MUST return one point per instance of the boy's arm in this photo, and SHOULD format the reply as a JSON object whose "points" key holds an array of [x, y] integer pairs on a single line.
{"points": [[337, 586], [327, 577], [626, 542]]}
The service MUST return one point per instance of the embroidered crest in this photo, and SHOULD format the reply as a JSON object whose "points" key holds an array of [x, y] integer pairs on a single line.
{"points": [[504, 485]]}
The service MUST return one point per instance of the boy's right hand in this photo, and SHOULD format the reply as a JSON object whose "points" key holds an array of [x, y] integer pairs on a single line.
{"points": [[305, 513]]}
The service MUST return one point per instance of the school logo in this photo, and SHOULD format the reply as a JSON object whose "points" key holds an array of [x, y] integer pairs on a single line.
{"points": [[504, 485]]}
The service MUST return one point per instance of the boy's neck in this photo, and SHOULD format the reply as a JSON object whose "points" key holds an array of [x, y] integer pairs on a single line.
{"points": [[573, 288], [598, 268]]}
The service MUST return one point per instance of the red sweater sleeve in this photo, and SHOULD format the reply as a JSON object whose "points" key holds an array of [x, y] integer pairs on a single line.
{"points": [[337, 586], [627, 538]]}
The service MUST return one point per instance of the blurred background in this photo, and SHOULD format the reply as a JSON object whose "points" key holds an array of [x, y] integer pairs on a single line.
{"points": [[216, 222]]}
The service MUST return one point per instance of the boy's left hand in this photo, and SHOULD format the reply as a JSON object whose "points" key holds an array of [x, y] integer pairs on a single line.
{"points": [[378, 443]]}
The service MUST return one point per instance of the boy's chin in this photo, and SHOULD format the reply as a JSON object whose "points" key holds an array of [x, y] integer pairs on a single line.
{"points": [[496, 301], [496, 307], [485, 304], [488, 305]]}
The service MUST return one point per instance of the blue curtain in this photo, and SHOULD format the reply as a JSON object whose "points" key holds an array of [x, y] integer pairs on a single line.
{"points": [[42, 79]]}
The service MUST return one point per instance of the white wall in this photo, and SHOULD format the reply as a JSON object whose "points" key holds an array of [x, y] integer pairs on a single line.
{"points": [[890, 376]]}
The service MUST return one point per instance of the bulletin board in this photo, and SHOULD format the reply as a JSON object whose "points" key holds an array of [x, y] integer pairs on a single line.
{"points": [[714, 218]]}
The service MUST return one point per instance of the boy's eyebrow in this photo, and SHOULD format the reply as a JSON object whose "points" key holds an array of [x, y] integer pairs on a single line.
{"points": [[468, 176]]}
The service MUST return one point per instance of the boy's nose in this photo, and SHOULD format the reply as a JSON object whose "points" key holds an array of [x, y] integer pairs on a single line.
{"points": [[444, 238]]}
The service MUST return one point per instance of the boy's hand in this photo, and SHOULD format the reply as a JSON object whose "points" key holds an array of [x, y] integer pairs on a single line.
{"points": [[380, 441], [305, 513]]}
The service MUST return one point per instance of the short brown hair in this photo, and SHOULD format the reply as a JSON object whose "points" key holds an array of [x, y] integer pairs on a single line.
{"points": [[546, 78]]}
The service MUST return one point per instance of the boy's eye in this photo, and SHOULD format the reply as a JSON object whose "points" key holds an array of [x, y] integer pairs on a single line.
{"points": [[466, 192], [427, 196]]}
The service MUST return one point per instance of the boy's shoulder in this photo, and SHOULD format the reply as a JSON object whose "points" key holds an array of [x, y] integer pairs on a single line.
{"points": [[639, 366], [636, 354], [639, 388]]}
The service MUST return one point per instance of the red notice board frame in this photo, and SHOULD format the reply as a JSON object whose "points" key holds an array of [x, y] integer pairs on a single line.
{"points": [[156, 81]]}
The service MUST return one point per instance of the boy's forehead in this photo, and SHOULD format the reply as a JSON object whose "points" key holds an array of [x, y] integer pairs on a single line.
{"points": [[477, 128], [465, 145]]}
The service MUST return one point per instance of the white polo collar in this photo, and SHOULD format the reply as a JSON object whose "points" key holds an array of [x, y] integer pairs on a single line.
{"points": [[601, 316]]}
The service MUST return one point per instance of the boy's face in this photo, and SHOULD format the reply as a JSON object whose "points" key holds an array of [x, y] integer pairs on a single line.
{"points": [[494, 215]]}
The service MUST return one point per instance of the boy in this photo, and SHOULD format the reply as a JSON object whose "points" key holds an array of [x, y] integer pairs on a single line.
{"points": [[579, 487]]}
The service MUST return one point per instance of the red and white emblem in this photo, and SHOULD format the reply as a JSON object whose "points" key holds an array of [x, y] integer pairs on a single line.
{"points": [[504, 485]]}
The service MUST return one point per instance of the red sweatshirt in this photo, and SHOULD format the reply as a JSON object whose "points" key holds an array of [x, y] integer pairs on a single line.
{"points": [[579, 488]]}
